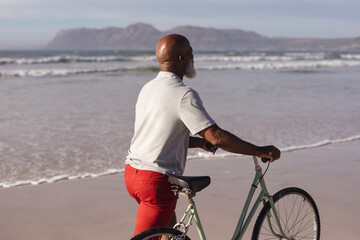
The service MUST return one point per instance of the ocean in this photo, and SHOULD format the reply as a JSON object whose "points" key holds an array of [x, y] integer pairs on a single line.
{"points": [[70, 114]]}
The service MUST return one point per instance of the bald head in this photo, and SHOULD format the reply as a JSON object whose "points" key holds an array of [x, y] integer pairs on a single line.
{"points": [[170, 47], [174, 53]]}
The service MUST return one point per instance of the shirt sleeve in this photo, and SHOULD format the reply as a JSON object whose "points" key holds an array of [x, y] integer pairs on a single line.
{"points": [[193, 113]]}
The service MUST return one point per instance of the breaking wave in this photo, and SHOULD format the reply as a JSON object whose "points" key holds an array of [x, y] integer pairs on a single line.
{"points": [[200, 57], [67, 72], [276, 65], [285, 65], [71, 59]]}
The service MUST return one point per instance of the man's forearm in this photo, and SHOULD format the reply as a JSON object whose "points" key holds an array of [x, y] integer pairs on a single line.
{"points": [[234, 144], [231, 143]]}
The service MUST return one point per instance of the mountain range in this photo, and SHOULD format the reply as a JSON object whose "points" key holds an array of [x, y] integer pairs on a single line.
{"points": [[141, 36]]}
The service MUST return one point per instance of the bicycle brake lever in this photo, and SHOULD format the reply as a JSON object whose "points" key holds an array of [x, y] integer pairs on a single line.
{"points": [[213, 152], [265, 160]]}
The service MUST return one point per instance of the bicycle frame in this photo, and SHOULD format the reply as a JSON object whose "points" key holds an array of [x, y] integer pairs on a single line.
{"points": [[244, 221]]}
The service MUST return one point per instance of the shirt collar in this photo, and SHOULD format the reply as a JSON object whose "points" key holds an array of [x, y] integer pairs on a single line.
{"points": [[170, 75]]}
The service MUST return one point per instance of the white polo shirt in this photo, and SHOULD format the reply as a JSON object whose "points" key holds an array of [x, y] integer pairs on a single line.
{"points": [[167, 111]]}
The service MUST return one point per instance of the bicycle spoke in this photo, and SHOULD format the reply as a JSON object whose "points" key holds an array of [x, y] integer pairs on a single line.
{"points": [[300, 210], [297, 216], [302, 226], [282, 221]]}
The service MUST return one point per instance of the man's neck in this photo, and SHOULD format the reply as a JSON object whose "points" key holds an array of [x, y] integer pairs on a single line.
{"points": [[172, 69]]}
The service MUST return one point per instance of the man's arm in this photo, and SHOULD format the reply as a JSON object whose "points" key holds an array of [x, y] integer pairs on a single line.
{"points": [[231, 143]]}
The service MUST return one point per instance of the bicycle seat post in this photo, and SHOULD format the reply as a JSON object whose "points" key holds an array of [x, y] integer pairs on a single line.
{"points": [[257, 166]]}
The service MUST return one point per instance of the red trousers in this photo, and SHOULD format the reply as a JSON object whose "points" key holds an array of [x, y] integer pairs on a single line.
{"points": [[153, 193]]}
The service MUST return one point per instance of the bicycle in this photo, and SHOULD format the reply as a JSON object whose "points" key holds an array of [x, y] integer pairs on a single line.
{"points": [[290, 214]]}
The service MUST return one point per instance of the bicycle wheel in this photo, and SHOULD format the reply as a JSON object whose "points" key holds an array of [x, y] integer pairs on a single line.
{"points": [[298, 214], [157, 233]]}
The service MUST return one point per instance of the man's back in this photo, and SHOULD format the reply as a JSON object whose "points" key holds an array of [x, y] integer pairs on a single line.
{"points": [[163, 120]]}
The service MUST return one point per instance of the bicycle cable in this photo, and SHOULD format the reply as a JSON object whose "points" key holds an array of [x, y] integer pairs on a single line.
{"points": [[262, 176]]}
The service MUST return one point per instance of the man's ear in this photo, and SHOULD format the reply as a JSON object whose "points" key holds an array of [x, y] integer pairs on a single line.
{"points": [[181, 58]]}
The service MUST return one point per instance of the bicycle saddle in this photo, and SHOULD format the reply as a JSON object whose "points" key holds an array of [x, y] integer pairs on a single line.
{"points": [[195, 184]]}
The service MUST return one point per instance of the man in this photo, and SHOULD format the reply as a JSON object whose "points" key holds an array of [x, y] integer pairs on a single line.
{"points": [[167, 111]]}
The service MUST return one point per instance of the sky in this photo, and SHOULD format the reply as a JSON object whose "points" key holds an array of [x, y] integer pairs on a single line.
{"points": [[26, 24]]}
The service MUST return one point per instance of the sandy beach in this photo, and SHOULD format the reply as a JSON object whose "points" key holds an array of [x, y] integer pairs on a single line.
{"points": [[100, 208]]}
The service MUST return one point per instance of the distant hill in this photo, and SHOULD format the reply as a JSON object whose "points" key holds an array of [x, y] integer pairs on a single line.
{"points": [[141, 36]]}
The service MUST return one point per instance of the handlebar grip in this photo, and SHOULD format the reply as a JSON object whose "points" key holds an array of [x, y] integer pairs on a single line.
{"points": [[209, 145], [265, 160]]}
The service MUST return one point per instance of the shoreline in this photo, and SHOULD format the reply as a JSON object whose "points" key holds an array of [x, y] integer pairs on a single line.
{"points": [[200, 157], [100, 208]]}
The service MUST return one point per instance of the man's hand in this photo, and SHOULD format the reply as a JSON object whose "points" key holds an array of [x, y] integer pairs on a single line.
{"points": [[270, 152]]}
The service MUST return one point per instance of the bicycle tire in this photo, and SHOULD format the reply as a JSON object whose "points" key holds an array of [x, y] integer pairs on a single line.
{"points": [[157, 233], [298, 215]]}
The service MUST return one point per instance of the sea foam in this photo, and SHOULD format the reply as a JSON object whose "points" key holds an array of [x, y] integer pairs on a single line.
{"points": [[64, 59], [197, 156], [59, 178]]}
